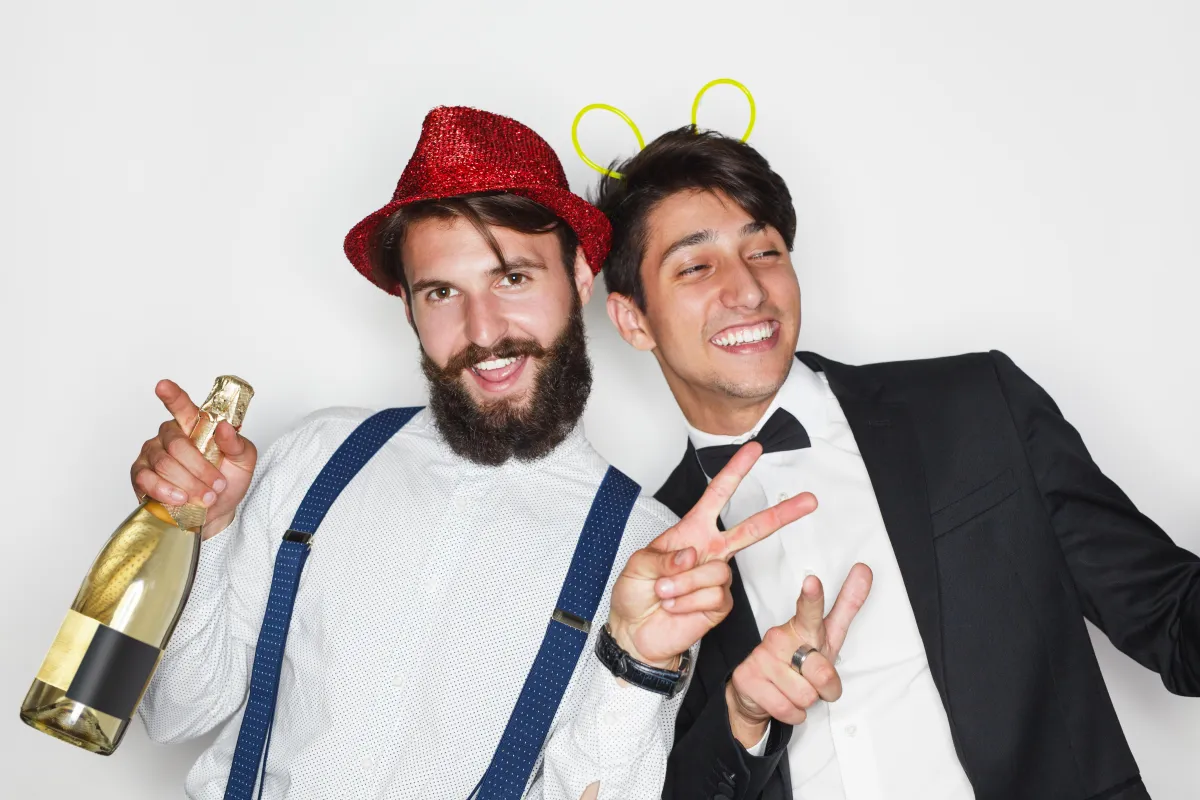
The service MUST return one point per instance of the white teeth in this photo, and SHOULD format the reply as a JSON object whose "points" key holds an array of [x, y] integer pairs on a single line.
{"points": [[745, 335], [496, 363]]}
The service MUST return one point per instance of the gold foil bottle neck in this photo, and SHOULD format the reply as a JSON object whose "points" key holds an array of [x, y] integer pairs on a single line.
{"points": [[228, 401]]}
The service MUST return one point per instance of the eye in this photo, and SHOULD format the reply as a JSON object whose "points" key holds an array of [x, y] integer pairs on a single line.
{"points": [[694, 269], [766, 254], [441, 294], [514, 279]]}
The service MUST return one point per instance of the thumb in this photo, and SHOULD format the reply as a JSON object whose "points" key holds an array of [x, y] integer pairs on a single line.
{"points": [[237, 449], [676, 561]]}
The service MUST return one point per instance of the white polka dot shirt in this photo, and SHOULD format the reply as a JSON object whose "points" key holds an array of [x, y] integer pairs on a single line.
{"points": [[419, 614]]}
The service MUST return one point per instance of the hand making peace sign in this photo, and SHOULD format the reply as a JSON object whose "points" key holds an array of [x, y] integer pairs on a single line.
{"points": [[676, 589]]}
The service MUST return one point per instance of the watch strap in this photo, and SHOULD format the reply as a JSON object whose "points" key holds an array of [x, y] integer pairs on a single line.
{"points": [[666, 682]]}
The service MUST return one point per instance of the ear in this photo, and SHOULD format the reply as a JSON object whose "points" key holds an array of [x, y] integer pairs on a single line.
{"points": [[630, 321], [584, 279], [407, 308]]}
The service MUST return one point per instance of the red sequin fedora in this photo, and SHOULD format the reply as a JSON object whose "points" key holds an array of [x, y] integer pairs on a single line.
{"points": [[464, 150]]}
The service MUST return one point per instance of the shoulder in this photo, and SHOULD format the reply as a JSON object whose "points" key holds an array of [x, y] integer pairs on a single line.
{"points": [[323, 431], [931, 370], [648, 519], [977, 371], [293, 461], [923, 379]]}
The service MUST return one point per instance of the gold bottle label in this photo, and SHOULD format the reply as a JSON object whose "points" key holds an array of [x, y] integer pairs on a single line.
{"points": [[228, 400], [68, 650], [98, 666]]}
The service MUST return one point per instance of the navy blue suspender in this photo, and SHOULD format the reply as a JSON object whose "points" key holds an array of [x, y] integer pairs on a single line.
{"points": [[563, 643], [566, 634]]}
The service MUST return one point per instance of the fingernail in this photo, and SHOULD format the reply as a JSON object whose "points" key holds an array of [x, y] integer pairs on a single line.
{"points": [[669, 603], [666, 587], [680, 556], [177, 495], [209, 498], [219, 484]]}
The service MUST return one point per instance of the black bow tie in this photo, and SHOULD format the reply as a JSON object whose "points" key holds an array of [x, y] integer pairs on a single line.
{"points": [[781, 432]]}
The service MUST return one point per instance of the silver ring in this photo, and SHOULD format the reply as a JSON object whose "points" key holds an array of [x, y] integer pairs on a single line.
{"points": [[800, 656]]}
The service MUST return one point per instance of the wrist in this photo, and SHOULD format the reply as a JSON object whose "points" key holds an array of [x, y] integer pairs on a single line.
{"points": [[746, 727], [623, 637], [214, 526]]}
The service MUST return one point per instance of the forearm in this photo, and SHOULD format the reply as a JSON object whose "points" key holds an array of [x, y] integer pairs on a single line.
{"points": [[1132, 580], [1185, 672], [748, 733], [709, 752], [202, 676], [620, 739]]}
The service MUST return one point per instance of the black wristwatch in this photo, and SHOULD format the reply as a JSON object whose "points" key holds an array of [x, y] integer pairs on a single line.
{"points": [[660, 681]]}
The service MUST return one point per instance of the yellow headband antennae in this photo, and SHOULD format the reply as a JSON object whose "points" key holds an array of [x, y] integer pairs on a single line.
{"points": [[612, 173], [731, 82]]}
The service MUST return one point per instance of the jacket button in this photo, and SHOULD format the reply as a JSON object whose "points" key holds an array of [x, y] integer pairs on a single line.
{"points": [[724, 788]]}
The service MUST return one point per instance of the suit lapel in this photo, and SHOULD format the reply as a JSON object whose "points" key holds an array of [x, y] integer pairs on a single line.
{"points": [[737, 634], [890, 450]]}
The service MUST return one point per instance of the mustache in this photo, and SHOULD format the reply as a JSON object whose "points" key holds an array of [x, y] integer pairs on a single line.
{"points": [[472, 354]]}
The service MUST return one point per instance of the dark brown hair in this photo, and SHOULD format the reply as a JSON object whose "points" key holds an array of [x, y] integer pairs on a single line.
{"points": [[501, 209], [680, 160]]}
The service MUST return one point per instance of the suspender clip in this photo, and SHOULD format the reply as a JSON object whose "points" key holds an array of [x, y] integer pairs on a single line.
{"points": [[571, 620], [298, 536]]}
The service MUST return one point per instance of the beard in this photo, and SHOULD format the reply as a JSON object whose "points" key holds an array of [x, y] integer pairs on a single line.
{"points": [[492, 433]]}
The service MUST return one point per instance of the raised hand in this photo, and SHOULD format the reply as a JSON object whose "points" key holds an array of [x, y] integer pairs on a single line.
{"points": [[676, 589], [766, 685], [171, 470]]}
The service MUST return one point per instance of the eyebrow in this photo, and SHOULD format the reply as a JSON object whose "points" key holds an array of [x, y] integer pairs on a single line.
{"points": [[691, 240], [497, 271], [514, 264], [709, 235]]}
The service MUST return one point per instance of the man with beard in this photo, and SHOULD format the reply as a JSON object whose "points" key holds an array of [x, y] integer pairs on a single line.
{"points": [[989, 532], [435, 643]]}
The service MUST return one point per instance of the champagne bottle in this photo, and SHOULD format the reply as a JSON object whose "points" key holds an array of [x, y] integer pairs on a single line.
{"points": [[107, 649]]}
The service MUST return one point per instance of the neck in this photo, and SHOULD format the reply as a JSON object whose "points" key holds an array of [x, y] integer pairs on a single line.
{"points": [[714, 411]]}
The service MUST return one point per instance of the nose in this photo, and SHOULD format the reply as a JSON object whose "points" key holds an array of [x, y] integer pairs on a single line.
{"points": [[486, 324], [740, 288]]}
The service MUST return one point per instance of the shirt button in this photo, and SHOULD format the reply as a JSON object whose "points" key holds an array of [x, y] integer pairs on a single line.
{"points": [[431, 585], [779, 498], [837, 662], [367, 764], [851, 730]]}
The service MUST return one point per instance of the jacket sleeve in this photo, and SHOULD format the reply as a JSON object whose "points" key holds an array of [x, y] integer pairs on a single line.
{"points": [[708, 762], [1133, 582]]}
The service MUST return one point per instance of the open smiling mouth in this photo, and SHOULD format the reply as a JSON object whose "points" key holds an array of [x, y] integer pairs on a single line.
{"points": [[498, 374], [748, 338]]}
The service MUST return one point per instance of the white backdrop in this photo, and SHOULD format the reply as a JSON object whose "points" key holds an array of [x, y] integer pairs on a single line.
{"points": [[177, 179]]}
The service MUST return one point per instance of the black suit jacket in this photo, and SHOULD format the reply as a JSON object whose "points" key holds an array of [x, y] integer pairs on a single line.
{"points": [[1007, 536]]}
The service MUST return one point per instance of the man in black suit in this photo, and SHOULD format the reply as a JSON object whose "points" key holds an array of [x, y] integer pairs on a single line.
{"points": [[989, 533]]}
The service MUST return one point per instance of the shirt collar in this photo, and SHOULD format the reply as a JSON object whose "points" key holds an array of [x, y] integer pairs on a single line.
{"points": [[803, 395]]}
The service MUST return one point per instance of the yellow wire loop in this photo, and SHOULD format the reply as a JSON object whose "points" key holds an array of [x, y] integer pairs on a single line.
{"points": [[731, 82], [612, 173]]}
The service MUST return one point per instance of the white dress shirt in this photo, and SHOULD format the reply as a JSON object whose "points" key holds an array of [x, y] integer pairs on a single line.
{"points": [[419, 614], [888, 736]]}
